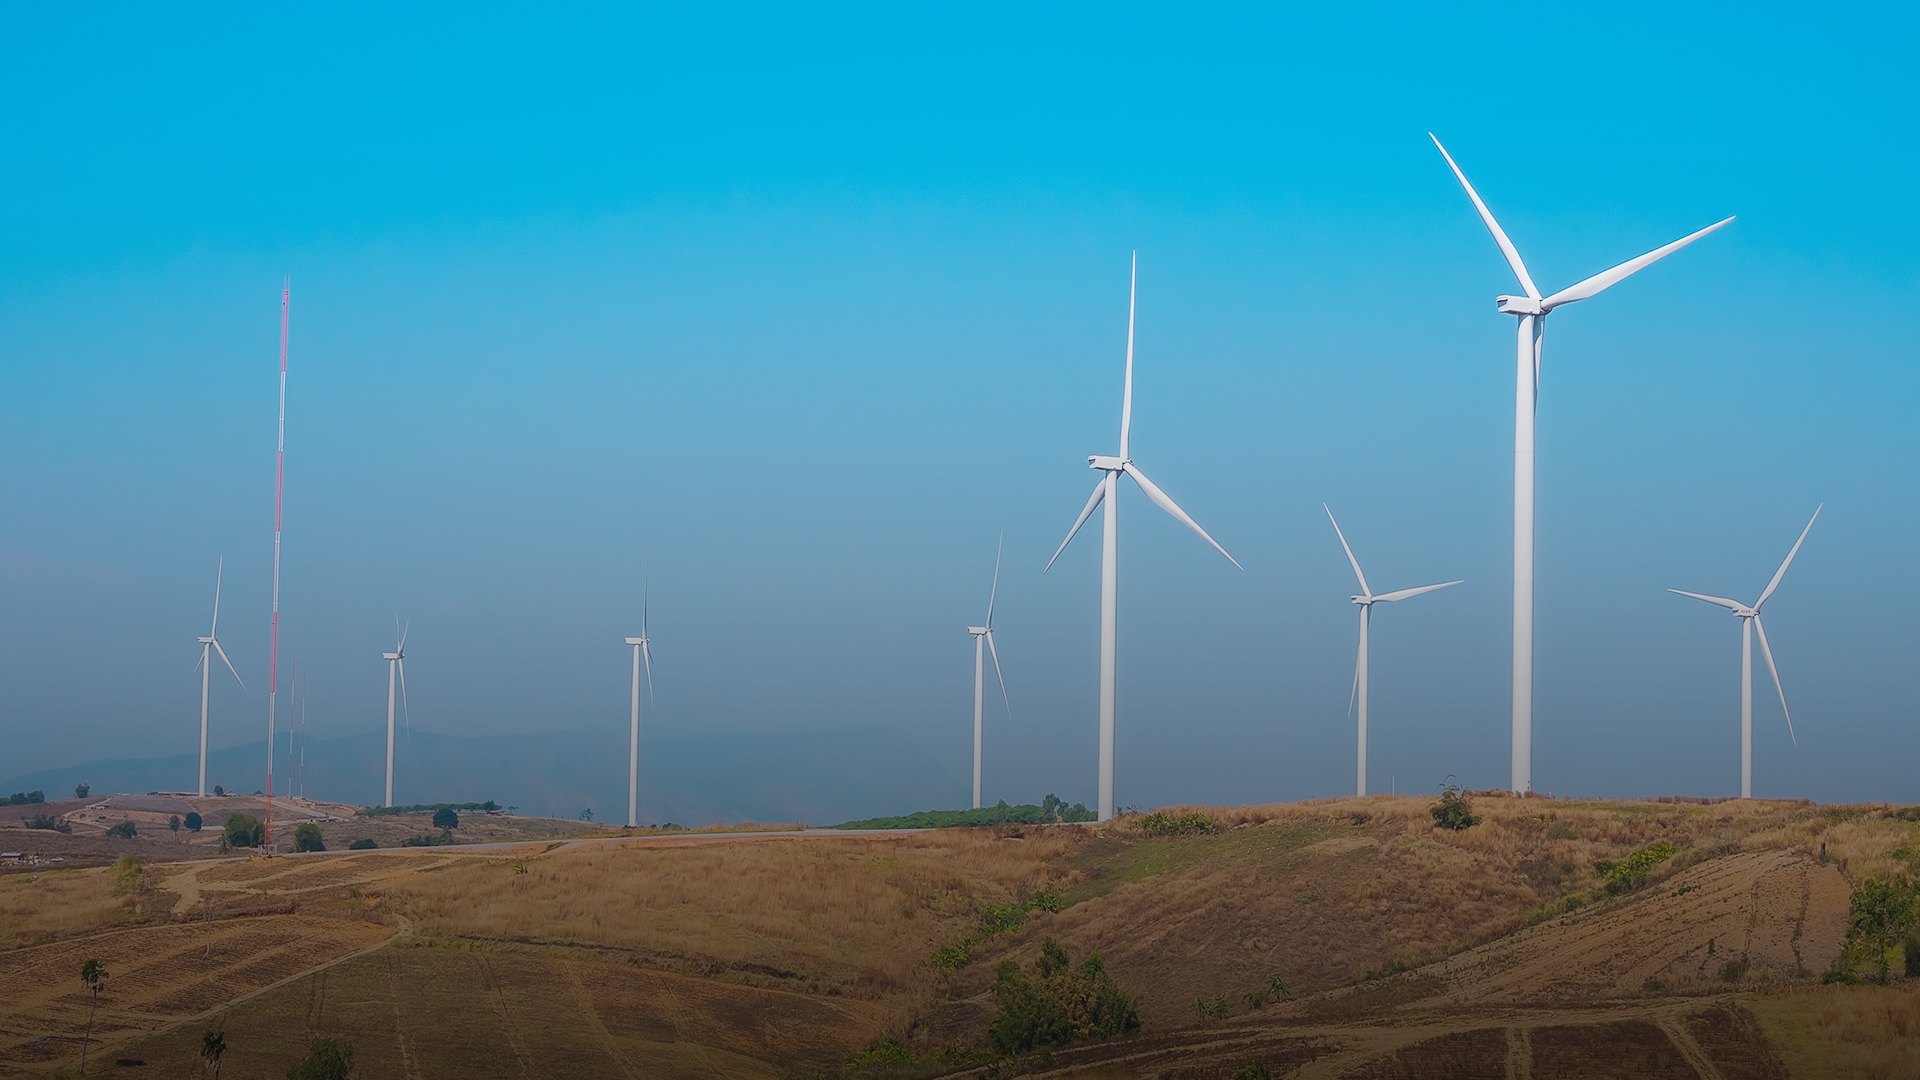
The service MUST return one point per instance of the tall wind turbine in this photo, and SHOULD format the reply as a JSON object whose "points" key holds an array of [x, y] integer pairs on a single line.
{"points": [[1366, 600], [1749, 625], [396, 665], [1107, 490], [1532, 310], [985, 634], [208, 646], [642, 654]]}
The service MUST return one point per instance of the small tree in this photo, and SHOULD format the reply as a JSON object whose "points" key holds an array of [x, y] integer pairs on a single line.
{"points": [[193, 822], [587, 814], [327, 1059], [212, 1046], [1881, 915], [445, 818], [173, 825], [80, 791], [92, 974], [306, 837], [1453, 811], [218, 790], [244, 830], [124, 830]]}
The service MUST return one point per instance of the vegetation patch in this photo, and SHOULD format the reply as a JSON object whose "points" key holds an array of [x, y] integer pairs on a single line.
{"points": [[1160, 823], [1058, 1003], [1051, 810], [1453, 811], [427, 808], [995, 919], [1631, 872]]}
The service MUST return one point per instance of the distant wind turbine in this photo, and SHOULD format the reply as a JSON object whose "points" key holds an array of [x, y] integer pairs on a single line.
{"points": [[642, 654], [1366, 600], [1107, 490], [1750, 625], [396, 665], [208, 646], [985, 634], [1532, 311]]}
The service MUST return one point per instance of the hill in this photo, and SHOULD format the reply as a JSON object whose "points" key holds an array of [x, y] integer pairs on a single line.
{"points": [[1537, 937]]}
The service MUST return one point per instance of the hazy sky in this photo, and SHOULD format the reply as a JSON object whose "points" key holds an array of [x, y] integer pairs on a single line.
{"points": [[791, 312]]}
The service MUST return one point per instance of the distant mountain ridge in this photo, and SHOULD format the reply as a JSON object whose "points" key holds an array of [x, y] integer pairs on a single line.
{"points": [[813, 777]]}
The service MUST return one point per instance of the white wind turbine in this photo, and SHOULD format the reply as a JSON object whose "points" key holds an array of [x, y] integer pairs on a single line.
{"points": [[642, 654], [985, 634], [396, 665], [1107, 490], [1750, 625], [1532, 311], [208, 646], [1366, 600]]}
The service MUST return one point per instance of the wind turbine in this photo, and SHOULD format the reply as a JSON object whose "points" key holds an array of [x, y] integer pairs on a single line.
{"points": [[1749, 625], [1532, 310], [396, 665], [985, 634], [208, 646], [1366, 600], [641, 655], [1107, 490]]}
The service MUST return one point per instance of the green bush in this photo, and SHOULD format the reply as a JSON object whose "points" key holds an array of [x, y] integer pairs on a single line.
{"points": [[445, 818], [1631, 872], [1252, 1070], [27, 798], [1453, 811], [1160, 823], [1050, 810], [1212, 1006], [193, 822], [244, 830], [365, 843], [1058, 1003], [1881, 915], [306, 837], [49, 823], [327, 1059], [124, 830]]}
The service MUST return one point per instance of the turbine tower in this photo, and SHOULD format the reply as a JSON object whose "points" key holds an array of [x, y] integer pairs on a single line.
{"points": [[1749, 625], [1532, 310], [208, 646], [396, 665], [1366, 600], [641, 655], [985, 634], [1107, 490]]}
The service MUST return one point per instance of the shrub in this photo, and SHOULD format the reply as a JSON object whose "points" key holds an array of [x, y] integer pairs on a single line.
{"points": [[27, 798], [244, 830], [1453, 811], [365, 843], [445, 818], [1210, 1006], [173, 823], [327, 1059], [218, 790], [1631, 872], [80, 790], [306, 837], [1252, 1070], [126, 874], [49, 823], [1880, 916], [1058, 1003], [124, 830], [193, 822], [1160, 823]]}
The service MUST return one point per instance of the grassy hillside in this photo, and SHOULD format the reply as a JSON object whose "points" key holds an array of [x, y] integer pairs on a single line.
{"points": [[780, 955]]}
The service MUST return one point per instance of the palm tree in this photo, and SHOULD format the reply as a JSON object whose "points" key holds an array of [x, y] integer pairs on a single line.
{"points": [[212, 1045], [92, 973]]}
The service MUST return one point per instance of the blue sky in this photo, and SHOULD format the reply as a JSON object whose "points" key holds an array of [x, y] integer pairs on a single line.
{"points": [[786, 315]]}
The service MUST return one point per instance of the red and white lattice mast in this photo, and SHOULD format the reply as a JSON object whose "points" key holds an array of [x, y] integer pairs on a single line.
{"points": [[279, 491]]}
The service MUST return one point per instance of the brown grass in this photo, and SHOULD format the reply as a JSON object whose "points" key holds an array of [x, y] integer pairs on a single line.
{"points": [[1845, 1031], [856, 916], [46, 907]]}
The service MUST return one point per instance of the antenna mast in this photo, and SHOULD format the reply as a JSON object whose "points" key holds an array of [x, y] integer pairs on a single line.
{"points": [[279, 491]]}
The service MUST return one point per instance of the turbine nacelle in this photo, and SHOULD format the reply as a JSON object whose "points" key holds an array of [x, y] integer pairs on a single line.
{"points": [[978, 631], [1520, 305], [206, 641], [1105, 463], [1363, 601], [389, 656], [636, 641]]}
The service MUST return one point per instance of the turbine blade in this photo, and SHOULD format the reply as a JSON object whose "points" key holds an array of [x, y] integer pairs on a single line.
{"points": [[1730, 605], [219, 572], [230, 667], [1767, 651], [1099, 490], [995, 591], [1126, 398], [1603, 281], [1160, 499], [1364, 591], [1353, 688], [402, 647], [405, 711], [646, 657], [1404, 593], [203, 657], [646, 599], [1486, 215], [998, 672], [1782, 572]]}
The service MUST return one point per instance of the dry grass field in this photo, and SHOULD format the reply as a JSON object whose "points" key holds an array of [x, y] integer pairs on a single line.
{"points": [[1409, 951]]}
